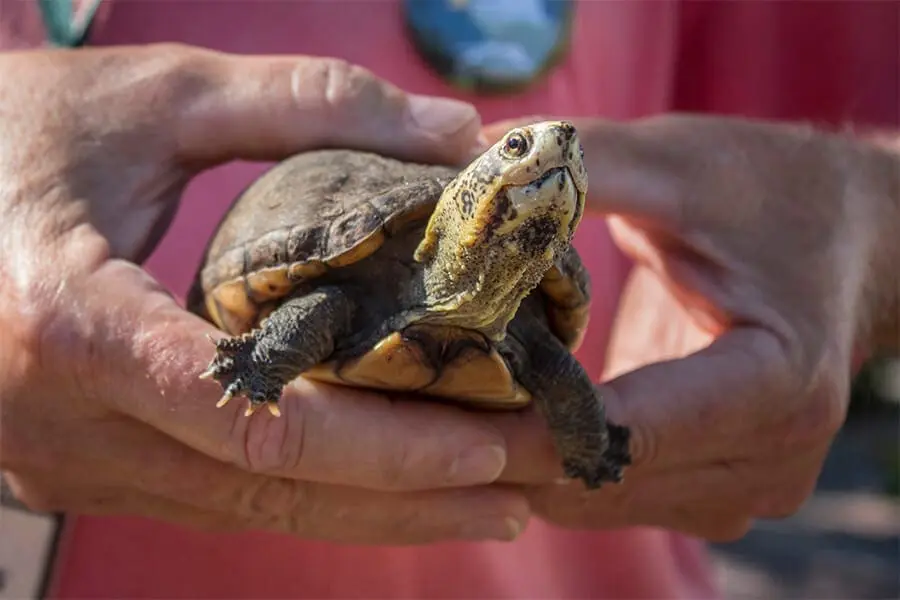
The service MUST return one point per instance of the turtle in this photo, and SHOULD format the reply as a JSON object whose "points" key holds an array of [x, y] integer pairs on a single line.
{"points": [[460, 284]]}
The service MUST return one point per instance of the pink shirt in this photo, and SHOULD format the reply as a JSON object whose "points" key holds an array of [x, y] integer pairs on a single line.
{"points": [[834, 61]]}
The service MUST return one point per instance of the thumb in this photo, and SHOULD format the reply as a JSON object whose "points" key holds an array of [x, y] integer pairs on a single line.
{"points": [[266, 107], [710, 404]]}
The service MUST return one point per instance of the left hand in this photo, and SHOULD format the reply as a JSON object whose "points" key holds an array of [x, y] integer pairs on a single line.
{"points": [[763, 258]]}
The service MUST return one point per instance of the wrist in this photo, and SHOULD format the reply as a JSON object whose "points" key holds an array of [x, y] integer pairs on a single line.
{"points": [[879, 323]]}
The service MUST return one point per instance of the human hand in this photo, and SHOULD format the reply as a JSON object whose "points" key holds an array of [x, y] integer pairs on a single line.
{"points": [[765, 257], [102, 408]]}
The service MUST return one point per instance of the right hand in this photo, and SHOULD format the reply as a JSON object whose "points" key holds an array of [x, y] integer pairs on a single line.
{"points": [[103, 412]]}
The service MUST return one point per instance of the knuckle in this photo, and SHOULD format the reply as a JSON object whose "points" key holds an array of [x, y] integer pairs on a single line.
{"points": [[405, 526], [826, 411], [347, 87], [608, 507], [171, 61], [173, 77], [820, 420], [817, 418], [174, 50], [807, 397], [176, 76], [272, 446], [394, 468], [642, 445], [300, 508], [278, 504]]}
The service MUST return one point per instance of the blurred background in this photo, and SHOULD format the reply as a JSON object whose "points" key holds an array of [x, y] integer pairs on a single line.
{"points": [[845, 542]]}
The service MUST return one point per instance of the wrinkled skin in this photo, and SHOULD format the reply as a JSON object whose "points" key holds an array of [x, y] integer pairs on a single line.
{"points": [[102, 409], [765, 268]]}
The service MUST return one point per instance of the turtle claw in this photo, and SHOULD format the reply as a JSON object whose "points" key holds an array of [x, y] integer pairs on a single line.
{"points": [[252, 407], [224, 399], [239, 374]]}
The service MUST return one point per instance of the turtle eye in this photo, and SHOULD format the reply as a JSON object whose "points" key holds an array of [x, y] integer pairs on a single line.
{"points": [[516, 145]]}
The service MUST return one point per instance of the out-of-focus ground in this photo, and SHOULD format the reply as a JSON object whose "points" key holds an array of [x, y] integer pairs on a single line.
{"points": [[845, 542]]}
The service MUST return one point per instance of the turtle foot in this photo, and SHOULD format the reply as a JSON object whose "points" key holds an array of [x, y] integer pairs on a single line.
{"points": [[595, 470], [241, 373], [592, 475]]}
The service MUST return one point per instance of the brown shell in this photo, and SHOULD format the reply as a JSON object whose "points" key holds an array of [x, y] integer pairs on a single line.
{"points": [[325, 210], [311, 213]]}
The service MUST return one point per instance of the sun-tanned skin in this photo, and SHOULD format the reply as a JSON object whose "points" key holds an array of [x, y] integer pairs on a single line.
{"points": [[354, 283]]}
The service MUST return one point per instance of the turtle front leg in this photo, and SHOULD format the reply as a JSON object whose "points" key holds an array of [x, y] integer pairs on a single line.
{"points": [[592, 449], [297, 335]]}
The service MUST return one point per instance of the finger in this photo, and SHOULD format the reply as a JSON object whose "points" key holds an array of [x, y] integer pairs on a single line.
{"points": [[608, 509], [531, 454], [769, 487], [703, 407], [267, 107], [129, 468], [54, 493], [214, 107], [678, 416], [710, 500], [343, 517], [150, 353]]}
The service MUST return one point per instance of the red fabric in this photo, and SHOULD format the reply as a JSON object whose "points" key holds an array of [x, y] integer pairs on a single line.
{"points": [[831, 62]]}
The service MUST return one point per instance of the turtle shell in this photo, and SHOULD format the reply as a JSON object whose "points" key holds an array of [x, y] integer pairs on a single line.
{"points": [[341, 216]]}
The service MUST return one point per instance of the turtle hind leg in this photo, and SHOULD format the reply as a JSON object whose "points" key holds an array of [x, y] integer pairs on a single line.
{"points": [[592, 449], [298, 334]]}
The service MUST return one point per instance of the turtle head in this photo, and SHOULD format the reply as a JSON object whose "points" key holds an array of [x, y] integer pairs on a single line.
{"points": [[500, 223], [527, 190]]}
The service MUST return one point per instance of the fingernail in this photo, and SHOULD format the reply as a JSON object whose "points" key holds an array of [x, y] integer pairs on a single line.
{"points": [[478, 465], [504, 529], [441, 115]]}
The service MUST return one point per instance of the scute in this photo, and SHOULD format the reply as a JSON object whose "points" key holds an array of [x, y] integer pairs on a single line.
{"points": [[392, 364], [445, 362], [270, 283], [231, 307], [365, 247], [480, 378]]}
